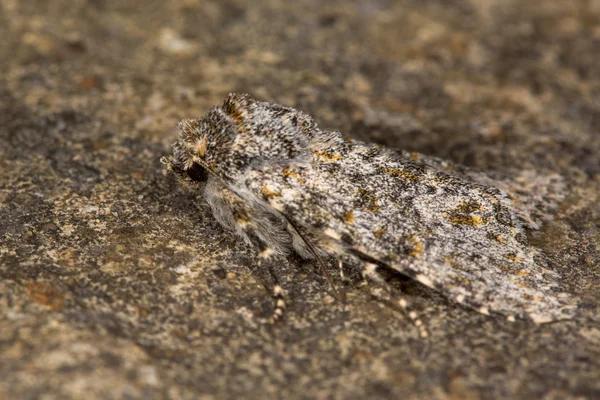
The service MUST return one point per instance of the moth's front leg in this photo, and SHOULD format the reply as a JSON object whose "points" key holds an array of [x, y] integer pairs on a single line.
{"points": [[267, 260], [254, 226]]}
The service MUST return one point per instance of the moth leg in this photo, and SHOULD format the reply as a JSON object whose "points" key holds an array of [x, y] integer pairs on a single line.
{"points": [[268, 259], [369, 271], [239, 215], [313, 250], [341, 266]]}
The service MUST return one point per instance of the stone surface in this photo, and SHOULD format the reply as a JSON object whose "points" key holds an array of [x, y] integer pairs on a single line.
{"points": [[115, 284]]}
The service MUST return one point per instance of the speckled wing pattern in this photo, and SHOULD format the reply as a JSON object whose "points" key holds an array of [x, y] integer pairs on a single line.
{"points": [[446, 226], [453, 235]]}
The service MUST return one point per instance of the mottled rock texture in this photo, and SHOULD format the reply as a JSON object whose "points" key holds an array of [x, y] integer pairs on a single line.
{"points": [[114, 283]]}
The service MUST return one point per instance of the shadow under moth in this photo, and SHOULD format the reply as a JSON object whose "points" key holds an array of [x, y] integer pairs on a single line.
{"points": [[281, 183]]}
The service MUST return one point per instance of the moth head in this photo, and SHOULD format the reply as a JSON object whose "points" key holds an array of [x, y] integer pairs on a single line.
{"points": [[187, 159], [240, 132], [190, 173]]}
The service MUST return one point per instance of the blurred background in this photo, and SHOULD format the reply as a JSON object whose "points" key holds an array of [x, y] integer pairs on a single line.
{"points": [[114, 284], [435, 76]]}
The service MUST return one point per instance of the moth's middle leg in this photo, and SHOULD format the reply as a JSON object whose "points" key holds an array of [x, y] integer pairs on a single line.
{"points": [[368, 269]]}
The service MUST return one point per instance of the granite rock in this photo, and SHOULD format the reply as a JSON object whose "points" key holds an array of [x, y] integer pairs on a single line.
{"points": [[115, 283]]}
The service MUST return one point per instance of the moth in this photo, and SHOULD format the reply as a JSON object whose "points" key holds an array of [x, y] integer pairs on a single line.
{"points": [[284, 185]]}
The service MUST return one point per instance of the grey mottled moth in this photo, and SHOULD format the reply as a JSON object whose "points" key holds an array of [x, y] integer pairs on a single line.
{"points": [[273, 177]]}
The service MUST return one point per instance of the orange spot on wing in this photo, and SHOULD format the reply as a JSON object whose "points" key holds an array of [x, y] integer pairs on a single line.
{"points": [[400, 173], [327, 156], [267, 192], [349, 217], [417, 246]]}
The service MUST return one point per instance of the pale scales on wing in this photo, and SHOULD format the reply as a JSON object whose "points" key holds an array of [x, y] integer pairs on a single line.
{"points": [[444, 225]]}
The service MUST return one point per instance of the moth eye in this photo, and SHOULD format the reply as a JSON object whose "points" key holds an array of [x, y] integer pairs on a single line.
{"points": [[197, 173]]}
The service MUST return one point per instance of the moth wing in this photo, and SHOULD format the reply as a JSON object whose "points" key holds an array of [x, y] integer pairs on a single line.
{"points": [[534, 194], [451, 233]]}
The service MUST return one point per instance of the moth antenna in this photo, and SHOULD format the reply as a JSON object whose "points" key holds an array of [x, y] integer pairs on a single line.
{"points": [[314, 252]]}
